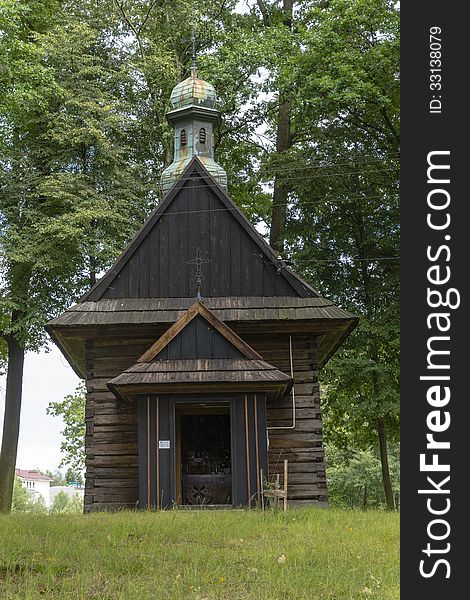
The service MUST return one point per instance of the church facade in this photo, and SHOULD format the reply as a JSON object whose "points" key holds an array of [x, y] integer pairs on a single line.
{"points": [[200, 348]]}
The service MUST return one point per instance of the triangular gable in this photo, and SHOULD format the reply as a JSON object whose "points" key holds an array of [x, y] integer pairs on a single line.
{"points": [[239, 348], [197, 214]]}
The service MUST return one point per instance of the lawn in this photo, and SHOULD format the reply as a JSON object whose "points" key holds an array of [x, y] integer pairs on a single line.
{"points": [[305, 554]]}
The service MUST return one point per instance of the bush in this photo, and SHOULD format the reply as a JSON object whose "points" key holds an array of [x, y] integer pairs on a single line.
{"points": [[23, 501], [64, 504], [354, 477]]}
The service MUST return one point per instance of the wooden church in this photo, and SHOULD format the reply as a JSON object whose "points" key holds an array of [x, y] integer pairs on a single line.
{"points": [[200, 348]]}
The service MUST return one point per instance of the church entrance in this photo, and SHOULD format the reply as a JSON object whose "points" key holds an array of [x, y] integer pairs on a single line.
{"points": [[203, 455]]}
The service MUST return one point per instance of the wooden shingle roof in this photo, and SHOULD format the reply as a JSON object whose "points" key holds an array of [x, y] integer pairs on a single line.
{"points": [[319, 315], [219, 375], [200, 359]]}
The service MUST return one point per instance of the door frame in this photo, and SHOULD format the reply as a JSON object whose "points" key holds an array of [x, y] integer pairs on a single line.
{"points": [[157, 466], [185, 408]]}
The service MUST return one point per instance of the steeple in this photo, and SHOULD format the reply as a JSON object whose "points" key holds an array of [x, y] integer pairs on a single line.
{"points": [[193, 117]]}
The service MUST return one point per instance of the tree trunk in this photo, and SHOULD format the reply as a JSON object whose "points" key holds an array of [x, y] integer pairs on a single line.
{"points": [[92, 264], [363, 251], [283, 143], [11, 423], [384, 462], [281, 192]]}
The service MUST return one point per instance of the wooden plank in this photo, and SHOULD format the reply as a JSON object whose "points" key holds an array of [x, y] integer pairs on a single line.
{"points": [[204, 240], [120, 428], [123, 495], [300, 402], [182, 244], [297, 456], [108, 506], [134, 275], [170, 334], [225, 253], [216, 265], [309, 502], [161, 259], [117, 484], [127, 449], [269, 286], [113, 438], [300, 478], [304, 425], [115, 473], [286, 413], [144, 268], [283, 440], [110, 460], [306, 491], [235, 258]]}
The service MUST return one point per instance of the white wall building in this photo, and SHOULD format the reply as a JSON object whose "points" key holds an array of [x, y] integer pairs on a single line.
{"points": [[36, 483], [70, 490]]}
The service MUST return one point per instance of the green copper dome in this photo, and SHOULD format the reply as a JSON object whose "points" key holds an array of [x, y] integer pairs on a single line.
{"points": [[193, 92], [193, 116]]}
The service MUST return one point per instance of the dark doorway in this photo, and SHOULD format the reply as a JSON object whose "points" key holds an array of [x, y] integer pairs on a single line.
{"points": [[204, 457]]}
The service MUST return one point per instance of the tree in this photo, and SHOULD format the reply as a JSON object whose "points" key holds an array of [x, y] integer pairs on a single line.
{"points": [[57, 477], [343, 231], [70, 192], [23, 501], [355, 477], [26, 82], [63, 504], [72, 411]]}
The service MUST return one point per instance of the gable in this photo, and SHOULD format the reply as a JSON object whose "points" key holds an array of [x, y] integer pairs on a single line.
{"points": [[199, 330], [197, 214], [199, 340]]}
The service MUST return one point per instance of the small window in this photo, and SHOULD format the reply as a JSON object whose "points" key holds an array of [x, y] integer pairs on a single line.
{"points": [[183, 138], [202, 136]]}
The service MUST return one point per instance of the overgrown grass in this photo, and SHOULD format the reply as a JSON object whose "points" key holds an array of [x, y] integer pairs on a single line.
{"points": [[307, 554]]}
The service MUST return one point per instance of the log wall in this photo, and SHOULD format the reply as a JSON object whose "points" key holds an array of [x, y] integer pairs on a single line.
{"points": [[303, 445], [111, 424]]}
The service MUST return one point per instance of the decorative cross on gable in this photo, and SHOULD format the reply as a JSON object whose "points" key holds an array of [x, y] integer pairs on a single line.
{"points": [[199, 261]]}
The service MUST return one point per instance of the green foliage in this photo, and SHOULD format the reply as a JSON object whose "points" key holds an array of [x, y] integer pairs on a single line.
{"points": [[64, 504], [57, 477], [72, 476], [355, 477], [24, 502], [72, 411], [303, 554]]}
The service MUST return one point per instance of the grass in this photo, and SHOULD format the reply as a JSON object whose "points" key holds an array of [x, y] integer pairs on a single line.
{"points": [[305, 554]]}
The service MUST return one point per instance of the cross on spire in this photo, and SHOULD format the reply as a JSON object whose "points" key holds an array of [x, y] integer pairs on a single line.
{"points": [[199, 261], [193, 46]]}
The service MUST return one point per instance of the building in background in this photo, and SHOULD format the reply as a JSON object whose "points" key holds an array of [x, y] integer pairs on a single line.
{"points": [[36, 483], [69, 490]]}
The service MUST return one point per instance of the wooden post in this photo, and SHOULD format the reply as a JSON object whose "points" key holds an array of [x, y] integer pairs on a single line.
{"points": [[285, 484], [262, 488], [276, 497]]}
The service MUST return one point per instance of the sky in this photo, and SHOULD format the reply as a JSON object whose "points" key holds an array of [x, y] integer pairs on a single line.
{"points": [[47, 378]]}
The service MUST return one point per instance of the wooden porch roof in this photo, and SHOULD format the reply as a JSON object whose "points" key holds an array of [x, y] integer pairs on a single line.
{"points": [[164, 376]]}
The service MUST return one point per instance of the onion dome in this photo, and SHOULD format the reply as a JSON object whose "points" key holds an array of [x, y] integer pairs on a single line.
{"points": [[193, 92]]}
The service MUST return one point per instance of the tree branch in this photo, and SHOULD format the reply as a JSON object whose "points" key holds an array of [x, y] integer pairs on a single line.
{"points": [[147, 15], [389, 123], [128, 20]]}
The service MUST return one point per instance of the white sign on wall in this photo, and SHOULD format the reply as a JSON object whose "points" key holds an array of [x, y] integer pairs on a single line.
{"points": [[164, 444]]}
